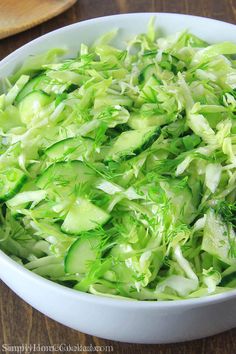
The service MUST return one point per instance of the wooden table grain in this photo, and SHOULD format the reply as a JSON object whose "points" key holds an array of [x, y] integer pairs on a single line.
{"points": [[19, 323]]}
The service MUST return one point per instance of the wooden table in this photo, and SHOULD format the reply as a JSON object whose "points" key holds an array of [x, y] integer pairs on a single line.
{"points": [[19, 323]]}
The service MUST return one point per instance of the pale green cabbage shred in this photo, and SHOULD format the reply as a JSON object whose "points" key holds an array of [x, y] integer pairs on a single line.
{"points": [[172, 205]]}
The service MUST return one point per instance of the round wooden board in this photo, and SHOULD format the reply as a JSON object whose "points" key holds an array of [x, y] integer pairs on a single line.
{"points": [[17, 16]]}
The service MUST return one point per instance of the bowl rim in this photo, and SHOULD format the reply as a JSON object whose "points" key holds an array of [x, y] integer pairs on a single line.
{"points": [[82, 23], [102, 299], [111, 301]]}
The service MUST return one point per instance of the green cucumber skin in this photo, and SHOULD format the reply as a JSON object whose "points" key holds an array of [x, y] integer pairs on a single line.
{"points": [[15, 190], [78, 169], [72, 253], [40, 92], [29, 88], [84, 211], [149, 70], [73, 234], [148, 143], [27, 107], [55, 165], [63, 142], [145, 145], [146, 73], [58, 143]]}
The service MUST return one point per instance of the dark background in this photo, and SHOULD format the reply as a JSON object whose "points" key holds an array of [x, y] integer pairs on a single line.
{"points": [[19, 323]]}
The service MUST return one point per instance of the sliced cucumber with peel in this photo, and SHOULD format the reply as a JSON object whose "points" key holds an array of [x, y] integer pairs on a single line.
{"points": [[32, 85], [63, 175], [149, 71], [70, 149], [32, 104], [148, 91], [11, 181], [132, 142], [84, 216], [14, 205], [80, 255]]}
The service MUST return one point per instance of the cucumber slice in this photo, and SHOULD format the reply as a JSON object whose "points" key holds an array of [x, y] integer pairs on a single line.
{"points": [[150, 53], [148, 91], [84, 216], [63, 176], [70, 149], [149, 71], [32, 104], [32, 85], [28, 186], [169, 62], [132, 142], [80, 255], [11, 181]]}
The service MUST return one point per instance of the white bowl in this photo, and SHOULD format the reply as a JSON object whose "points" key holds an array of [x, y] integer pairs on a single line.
{"points": [[122, 320]]}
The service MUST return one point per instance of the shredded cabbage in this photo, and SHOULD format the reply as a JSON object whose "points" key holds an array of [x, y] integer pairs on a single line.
{"points": [[172, 203]]}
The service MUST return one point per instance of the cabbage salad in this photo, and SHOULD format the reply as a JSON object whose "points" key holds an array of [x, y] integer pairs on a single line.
{"points": [[118, 167]]}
